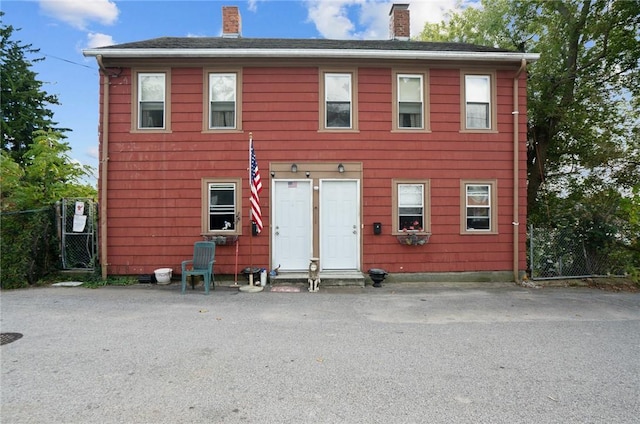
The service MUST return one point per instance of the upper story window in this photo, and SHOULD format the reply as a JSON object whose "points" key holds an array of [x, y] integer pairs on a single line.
{"points": [[480, 211], [151, 97], [151, 100], [479, 107], [410, 107], [221, 206], [338, 111], [411, 207], [338, 100], [222, 100]]}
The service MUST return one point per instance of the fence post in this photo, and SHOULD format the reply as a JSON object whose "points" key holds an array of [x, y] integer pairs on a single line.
{"points": [[531, 250]]}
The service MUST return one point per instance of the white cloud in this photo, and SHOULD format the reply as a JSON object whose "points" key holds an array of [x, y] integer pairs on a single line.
{"points": [[432, 11], [252, 5], [96, 39], [331, 19], [369, 19], [78, 13], [93, 152]]}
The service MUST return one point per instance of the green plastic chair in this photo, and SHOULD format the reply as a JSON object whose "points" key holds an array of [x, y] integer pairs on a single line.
{"points": [[204, 253]]}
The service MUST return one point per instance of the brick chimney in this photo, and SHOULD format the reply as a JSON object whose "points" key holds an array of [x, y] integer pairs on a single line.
{"points": [[399, 22], [231, 23]]}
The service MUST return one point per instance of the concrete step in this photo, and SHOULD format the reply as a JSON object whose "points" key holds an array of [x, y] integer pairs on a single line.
{"points": [[327, 278]]}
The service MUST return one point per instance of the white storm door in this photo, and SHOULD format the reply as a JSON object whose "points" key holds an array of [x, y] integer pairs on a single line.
{"points": [[339, 225], [292, 225]]}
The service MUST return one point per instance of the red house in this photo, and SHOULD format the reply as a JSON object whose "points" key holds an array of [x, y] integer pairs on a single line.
{"points": [[395, 154]]}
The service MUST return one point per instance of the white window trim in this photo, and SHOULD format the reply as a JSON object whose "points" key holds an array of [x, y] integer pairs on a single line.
{"points": [[493, 204], [135, 95], [424, 76], [206, 182], [493, 101], [426, 209], [207, 101], [322, 126]]}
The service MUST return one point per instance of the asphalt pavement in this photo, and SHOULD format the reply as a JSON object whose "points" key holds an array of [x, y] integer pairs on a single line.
{"points": [[403, 353]]}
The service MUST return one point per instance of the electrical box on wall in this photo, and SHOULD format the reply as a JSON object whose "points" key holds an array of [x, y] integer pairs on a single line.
{"points": [[377, 228]]}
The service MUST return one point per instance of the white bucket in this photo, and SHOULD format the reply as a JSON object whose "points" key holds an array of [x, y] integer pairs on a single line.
{"points": [[163, 275]]}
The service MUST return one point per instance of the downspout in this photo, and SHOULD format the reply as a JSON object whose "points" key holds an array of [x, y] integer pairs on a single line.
{"points": [[104, 166], [516, 171]]}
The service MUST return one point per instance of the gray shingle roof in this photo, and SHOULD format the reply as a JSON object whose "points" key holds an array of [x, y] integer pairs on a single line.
{"points": [[299, 44]]}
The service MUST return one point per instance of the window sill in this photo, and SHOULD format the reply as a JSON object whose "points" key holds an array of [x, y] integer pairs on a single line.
{"points": [[151, 131], [339, 130], [479, 131], [222, 131], [411, 130]]}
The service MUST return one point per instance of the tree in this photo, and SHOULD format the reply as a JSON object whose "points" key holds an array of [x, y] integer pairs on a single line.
{"points": [[583, 92], [583, 142], [36, 170], [24, 105], [48, 175]]}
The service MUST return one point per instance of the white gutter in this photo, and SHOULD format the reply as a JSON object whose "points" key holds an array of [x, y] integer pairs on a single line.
{"points": [[135, 53]]}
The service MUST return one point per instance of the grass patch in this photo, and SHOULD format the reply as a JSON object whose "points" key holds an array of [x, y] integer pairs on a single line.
{"points": [[88, 279], [110, 281]]}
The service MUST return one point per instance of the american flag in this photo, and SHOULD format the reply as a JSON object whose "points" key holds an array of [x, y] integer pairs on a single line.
{"points": [[256, 188]]}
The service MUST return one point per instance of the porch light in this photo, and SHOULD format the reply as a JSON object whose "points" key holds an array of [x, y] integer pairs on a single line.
{"points": [[341, 168], [294, 168], [273, 174]]}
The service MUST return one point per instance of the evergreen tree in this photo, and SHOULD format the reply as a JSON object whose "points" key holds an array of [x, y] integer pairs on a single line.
{"points": [[24, 105]]}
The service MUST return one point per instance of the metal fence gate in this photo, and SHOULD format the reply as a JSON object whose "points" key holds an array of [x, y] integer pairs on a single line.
{"points": [[78, 237], [557, 253]]}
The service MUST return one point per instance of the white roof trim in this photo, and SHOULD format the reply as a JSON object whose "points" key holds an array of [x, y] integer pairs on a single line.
{"points": [[312, 53]]}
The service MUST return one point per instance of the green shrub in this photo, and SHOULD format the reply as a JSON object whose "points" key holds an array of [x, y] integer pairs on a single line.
{"points": [[29, 246]]}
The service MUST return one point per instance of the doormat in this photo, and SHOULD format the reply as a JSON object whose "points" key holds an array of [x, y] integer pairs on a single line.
{"points": [[9, 337], [285, 289]]}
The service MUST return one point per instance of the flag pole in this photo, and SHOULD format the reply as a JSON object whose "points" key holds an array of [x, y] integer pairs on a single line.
{"points": [[251, 287], [250, 214]]}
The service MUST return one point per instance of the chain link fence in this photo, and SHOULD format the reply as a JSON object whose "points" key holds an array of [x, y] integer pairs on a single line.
{"points": [[78, 236], [557, 253]]}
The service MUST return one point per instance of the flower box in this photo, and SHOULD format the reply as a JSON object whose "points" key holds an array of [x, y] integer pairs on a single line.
{"points": [[222, 240], [414, 239]]}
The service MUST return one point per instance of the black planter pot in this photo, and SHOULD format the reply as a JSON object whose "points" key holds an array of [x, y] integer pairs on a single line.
{"points": [[377, 275], [256, 274]]}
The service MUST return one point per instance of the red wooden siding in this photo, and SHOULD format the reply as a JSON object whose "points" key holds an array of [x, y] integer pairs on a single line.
{"points": [[154, 179]]}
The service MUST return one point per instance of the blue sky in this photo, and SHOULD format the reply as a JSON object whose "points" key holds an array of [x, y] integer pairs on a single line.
{"points": [[61, 29]]}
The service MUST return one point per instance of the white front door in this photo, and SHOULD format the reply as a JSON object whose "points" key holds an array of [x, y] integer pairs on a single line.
{"points": [[339, 225], [292, 225]]}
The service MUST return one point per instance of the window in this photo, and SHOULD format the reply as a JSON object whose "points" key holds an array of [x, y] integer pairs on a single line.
{"points": [[221, 206], [410, 97], [479, 112], [151, 100], [479, 214], [222, 100], [411, 207], [338, 102]]}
